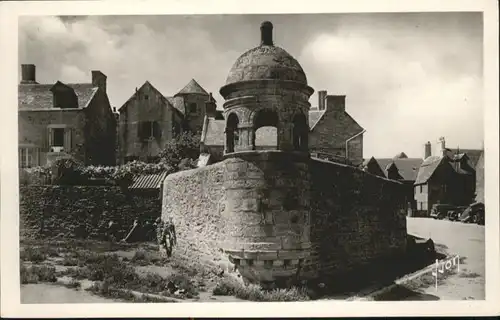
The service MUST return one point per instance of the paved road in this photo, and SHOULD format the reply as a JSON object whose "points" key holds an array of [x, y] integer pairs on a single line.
{"points": [[466, 240]]}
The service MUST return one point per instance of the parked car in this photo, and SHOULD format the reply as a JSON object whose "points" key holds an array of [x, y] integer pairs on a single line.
{"points": [[440, 211], [473, 214]]}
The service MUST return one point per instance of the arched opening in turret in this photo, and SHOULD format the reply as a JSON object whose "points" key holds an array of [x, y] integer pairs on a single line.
{"points": [[265, 130], [232, 134], [300, 132]]}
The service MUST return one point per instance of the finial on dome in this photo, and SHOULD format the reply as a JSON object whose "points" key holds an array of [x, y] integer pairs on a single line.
{"points": [[266, 33]]}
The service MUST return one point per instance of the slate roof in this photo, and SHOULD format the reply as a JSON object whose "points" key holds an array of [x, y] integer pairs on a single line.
{"points": [[314, 117], [427, 168], [192, 87], [473, 154], [408, 167], [214, 134], [148, 181], [39, 96], [177, 103]]}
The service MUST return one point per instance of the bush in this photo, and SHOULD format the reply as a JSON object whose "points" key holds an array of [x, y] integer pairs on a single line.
{"points": [[181, 152], [32, 254], [35, 274], [252, 292]]}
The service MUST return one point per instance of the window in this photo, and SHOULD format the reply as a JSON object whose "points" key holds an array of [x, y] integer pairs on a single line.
{"points": [[300, 132], [266, 130], [146, 97], [148, 129], [28, 157], [192, 107], [232, 137], [57, 137], [420, 188]]}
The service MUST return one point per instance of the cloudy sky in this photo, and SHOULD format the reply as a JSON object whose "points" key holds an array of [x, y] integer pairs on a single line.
{"points": [[409, 78]]}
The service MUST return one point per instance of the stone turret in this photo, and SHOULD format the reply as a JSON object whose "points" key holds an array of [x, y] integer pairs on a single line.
{"points": [[267, 192]]}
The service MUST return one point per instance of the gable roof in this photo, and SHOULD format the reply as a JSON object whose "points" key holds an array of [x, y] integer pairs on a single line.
{"points": [[40, 96], [214, 132], [314, 117], [473, 154], [318, 115], [153, 88], [408, 168], [192, 87], [427, 168], [177, 103]]}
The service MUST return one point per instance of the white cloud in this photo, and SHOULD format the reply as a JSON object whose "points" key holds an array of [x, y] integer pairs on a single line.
{"points": [[399, 90], [406, 83]]}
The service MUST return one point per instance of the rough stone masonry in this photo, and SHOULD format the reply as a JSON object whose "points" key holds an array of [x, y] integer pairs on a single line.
{"points": [[279, 215]]}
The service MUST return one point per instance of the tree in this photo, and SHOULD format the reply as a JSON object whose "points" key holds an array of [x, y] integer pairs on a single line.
{"points": [[181, 152]]}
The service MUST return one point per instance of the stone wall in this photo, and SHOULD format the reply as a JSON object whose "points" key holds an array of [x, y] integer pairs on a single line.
{"points": [[244, 206], [85, 212], [193, 200], [356, 217]]}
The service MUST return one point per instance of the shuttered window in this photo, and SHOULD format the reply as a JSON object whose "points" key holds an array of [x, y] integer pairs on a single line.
{"points": [[28, 157]]}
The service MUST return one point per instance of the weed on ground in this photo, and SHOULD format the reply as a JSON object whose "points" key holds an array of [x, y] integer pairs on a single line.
{"points": [[36, 274], [252, 292]]}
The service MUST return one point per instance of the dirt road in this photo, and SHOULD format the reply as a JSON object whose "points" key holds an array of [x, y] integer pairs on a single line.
{"points": [[465, 240]]}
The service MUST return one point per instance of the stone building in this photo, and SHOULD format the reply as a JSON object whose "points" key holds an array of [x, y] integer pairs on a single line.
{"points": [[277, 215], [148, 119], [447, 178], [400, 168], [59, 119]]}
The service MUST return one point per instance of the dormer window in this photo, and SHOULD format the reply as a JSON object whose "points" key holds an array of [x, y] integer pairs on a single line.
{"points": [[63, 96]]}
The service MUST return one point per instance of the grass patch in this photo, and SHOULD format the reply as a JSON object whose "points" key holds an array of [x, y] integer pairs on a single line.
{"points": [[105, 290], [33, 254], [252, 292], [470, 275], [73, 284], [110, 269], [36, 274]]}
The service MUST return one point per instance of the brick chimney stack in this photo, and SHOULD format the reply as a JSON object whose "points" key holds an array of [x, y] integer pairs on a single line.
{"points": [[28, 73], [321, 99], [99, 80], [335, 103], [428, 150], [210, 106], [443, 146]]}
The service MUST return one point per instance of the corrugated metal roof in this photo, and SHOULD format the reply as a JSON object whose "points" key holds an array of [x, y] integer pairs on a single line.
{"points": [[148, 181]]}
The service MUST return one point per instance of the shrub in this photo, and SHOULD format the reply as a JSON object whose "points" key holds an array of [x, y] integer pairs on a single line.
{"points": [[35, 274], [252, 292], [73, 284], [32, 254], [181, 152]]}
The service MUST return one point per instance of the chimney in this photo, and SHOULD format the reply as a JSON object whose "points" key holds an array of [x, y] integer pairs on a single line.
{"points": [[210, 107], [443, 146], [28, 73], [335, 103], [99, 80], [266, 34], [321, 99], [428, 150]]}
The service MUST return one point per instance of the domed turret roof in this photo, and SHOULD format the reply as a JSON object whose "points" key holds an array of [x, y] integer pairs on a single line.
{"points": [[266, 62]]}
